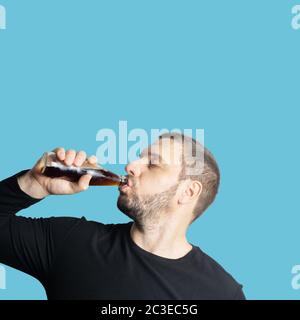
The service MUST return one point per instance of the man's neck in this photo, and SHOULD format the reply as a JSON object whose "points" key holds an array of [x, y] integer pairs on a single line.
{"points": [[166, 239]]}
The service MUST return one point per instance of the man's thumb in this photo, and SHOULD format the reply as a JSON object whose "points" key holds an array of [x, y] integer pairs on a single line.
{"points": [[40, 164]]}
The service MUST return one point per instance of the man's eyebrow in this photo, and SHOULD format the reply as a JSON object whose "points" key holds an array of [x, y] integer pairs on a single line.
{"points": [[158, 156], [155, 155]]}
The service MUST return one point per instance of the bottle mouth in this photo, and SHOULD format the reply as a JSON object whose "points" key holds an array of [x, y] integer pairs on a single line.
{"points": [[124, 180]]}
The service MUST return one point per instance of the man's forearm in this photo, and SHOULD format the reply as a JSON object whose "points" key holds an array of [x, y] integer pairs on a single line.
{"points": [[12, 197]]}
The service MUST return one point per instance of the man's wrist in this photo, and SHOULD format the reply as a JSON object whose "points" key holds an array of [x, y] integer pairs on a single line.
{"points": [[31, 187]]}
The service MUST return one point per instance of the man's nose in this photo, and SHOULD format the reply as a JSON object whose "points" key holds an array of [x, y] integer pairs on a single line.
{"points": [[133, 169]]}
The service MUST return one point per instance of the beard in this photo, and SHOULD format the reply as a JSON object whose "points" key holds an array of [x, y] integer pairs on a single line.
{"points": [[146, 209]]}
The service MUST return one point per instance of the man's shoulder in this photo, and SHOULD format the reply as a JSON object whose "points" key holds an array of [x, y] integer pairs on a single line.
{"points": [[105, 227], [86, 229], [218, 276]]}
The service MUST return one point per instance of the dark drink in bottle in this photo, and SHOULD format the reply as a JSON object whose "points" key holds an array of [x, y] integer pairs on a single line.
{"points": [[54, 168]]}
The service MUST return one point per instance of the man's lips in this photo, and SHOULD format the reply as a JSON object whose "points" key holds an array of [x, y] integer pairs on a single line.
{"points": [[126, 186]]}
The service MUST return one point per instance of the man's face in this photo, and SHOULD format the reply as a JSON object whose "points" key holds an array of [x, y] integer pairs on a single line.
{"points": [[152, 182]]}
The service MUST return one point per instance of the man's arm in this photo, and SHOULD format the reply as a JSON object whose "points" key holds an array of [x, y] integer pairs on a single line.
{"points": [[31, 244]]}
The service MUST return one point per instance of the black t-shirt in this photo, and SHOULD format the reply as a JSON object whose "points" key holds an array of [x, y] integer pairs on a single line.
{"points": [[78, 259]]}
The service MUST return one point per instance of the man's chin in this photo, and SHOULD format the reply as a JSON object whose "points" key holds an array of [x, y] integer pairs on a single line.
{"points": [[123, 206]]}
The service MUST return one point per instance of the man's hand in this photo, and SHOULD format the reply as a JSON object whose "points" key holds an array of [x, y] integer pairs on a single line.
{"points": [[38, 186]]}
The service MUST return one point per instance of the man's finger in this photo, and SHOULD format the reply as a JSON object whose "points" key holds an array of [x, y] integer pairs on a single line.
{"points": [[70, 157], [83, 183], [80, 158], [40, 164], [60, 153], [92, 159]]}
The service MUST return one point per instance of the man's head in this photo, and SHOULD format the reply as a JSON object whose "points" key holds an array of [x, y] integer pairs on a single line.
{"points": [[167, 179]]}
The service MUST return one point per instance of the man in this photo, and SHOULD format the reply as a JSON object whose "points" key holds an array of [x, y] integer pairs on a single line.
{"points": [[149, 258]]}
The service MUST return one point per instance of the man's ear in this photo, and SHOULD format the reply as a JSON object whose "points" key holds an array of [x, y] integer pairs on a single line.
{"points": [[191, 189]]}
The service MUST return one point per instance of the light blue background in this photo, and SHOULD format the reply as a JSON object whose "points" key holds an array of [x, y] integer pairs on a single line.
{"points": [[69, 68]]}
